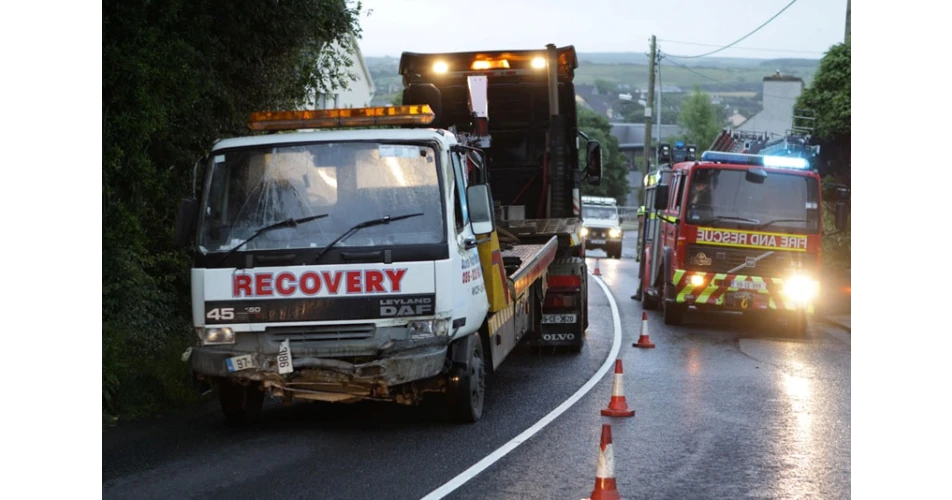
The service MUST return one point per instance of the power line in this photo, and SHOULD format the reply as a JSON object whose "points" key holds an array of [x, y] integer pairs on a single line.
{"points": [[743, 48], [741, 38]]}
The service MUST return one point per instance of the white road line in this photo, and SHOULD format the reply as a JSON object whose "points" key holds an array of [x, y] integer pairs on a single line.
{"points": [[503, 450]]}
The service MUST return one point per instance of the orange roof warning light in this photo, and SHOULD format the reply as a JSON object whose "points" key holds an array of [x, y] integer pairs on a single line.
{"points": [[343, 117]]}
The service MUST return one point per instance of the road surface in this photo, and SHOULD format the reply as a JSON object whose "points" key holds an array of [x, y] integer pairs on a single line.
{"points": [[724, 409]]}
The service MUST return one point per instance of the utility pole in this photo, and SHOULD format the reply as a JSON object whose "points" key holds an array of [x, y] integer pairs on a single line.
{"points": [[846, 39], [648, 104]]}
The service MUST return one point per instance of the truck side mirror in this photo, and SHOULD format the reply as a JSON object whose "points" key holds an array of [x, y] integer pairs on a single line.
{"points": [[480, 203], [839, 219], [661, 197], [185, 221], [593, 166]]}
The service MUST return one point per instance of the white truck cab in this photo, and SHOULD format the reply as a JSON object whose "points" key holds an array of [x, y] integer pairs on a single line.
{"points": [[343, 265], [601, 225]]}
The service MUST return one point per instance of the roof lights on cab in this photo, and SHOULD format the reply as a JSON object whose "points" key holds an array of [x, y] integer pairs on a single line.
{"points": [[792, 162], [345, 117], [490, 64], [440, 67]]}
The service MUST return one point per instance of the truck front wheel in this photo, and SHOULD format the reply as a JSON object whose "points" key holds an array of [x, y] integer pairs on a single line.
{"points": [[467, 388], [241, 404]]}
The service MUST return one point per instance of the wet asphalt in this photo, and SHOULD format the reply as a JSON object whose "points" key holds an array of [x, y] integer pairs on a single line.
{"points": [[724, 409]]}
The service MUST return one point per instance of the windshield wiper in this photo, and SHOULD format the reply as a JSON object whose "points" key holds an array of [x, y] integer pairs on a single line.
{"points": [[366, 223], [265, 229], [765, 224], [728, 217]]}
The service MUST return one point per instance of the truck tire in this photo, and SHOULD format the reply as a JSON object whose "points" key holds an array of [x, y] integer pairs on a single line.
{"points": [[467, 394], [797, 323], [241, 404]]}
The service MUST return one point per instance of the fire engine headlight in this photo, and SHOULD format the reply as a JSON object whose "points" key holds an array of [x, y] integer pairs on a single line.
{"points": [[215, 336], [614, 232], [801, 288], [697, 280], [429, 328], [584, 232]]}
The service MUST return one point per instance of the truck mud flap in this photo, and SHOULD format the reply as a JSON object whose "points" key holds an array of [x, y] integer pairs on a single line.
{"points": [[565, 307]]}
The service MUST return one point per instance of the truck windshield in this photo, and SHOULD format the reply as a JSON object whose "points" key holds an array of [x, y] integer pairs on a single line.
{"points": [[592, 212], [349, 181], [783, 202]]}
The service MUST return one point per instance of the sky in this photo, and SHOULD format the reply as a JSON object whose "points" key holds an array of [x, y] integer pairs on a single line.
{"points": [[805, 29]]}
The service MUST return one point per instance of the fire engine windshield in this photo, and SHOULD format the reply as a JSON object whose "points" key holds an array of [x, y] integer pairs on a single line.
{"points": [[723, 197], [350, 181]]}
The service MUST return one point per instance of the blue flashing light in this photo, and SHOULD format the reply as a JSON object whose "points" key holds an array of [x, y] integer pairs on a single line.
{"points": [[792, 162], [679, 144], [786, 162]]}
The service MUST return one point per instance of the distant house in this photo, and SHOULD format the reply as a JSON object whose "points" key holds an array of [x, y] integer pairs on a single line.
{"points": [[736, 119], [358, 93], [780, 95], [589, 97]]}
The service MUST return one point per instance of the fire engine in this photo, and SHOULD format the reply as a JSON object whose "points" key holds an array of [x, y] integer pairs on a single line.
{"points": [[738, 229], [358, 254]]}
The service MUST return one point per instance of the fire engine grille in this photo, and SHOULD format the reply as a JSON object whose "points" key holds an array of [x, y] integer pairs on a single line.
{"points": [[717, 259], [597, 233], [324, 333]]}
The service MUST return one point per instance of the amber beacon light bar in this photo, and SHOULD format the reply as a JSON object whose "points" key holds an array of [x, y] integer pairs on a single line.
{"points": [[343, 117]]}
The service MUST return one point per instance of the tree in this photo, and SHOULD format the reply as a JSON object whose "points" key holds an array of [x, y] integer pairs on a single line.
{"points": [[828, 98], [606, 87], [699, 119], [614, 181], [177, 76]]}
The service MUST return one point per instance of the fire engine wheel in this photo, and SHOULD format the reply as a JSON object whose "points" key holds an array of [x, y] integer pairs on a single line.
{"points": [[797, 323], [468, 391], [241, 404], [673, 312]]}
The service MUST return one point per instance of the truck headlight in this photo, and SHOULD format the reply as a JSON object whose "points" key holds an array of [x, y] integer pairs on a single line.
{"points": [[614, 232], [215, 336], [801, 288], [429, 328], [584, 232]]}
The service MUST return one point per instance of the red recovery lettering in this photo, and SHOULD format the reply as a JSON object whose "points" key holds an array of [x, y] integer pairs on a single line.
{"points": [[263, 284], [332, 284], [310, 283], [396, 276], [353, 282], [281, 286], [374, 282], [241, 284], [287, 283]]}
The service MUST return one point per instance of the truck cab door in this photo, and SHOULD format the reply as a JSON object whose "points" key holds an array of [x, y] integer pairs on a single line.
{"points": [[470, 298]]}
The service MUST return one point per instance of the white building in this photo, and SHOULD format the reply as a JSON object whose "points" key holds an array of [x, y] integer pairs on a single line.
{"points": [[359, 92], [780, 96]]}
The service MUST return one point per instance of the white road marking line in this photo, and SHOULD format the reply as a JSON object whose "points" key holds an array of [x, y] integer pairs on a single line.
{"points": [[503, 450]]}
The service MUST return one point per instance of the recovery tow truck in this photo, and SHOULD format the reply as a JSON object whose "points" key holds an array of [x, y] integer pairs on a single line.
{"points": [[366, 262], [737, 230]]}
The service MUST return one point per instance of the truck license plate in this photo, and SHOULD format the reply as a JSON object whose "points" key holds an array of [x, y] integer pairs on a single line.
{"points": [[239, 363], [748, 285], [558, 318]]}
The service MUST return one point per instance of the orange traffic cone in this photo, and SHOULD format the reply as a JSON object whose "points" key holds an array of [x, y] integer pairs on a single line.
{"points": [[618, 407], [605, 488], [644, 340], [597, 272]]}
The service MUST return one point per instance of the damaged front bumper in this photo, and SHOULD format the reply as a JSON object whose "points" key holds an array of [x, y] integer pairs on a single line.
{"points": [[336, 379]]}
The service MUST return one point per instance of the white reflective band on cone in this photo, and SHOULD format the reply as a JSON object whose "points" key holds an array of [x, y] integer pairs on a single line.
{"points": [[606, 463], [619, 389]]}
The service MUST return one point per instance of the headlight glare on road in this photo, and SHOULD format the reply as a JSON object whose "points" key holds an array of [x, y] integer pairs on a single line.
{"points": [[801, 288], [614, 232], [216, 336]]}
